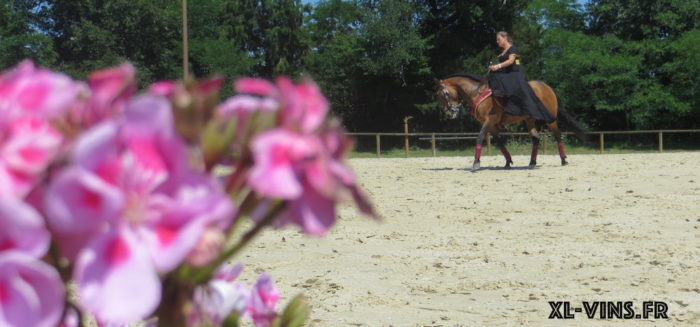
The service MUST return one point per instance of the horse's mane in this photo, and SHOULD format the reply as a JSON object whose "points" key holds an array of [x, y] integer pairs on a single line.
{"points": [[474, 77]]}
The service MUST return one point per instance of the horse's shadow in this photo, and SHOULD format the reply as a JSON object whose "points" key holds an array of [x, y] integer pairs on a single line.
{"points": [[483, 168]]}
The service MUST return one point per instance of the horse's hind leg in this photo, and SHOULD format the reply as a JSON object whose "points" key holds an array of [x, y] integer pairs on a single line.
{"points": [[535, 137], [501, 145], [560, 145]]}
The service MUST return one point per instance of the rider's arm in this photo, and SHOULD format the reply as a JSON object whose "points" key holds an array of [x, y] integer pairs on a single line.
{"points": [[511, 59]]}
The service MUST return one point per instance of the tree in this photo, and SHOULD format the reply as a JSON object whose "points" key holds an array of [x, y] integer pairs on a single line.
{"points": [[20, 35], [212, 51], [333, 60], [643, 19], [93, 34], [270, 32]]}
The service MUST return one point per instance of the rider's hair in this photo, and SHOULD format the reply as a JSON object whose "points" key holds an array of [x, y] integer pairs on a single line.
{"points": [[505, 35]]}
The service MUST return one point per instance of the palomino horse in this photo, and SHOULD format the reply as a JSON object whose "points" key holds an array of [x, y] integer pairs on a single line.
{"points": [[489, 112]]}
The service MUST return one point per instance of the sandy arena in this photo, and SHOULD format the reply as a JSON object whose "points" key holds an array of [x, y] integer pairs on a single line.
{"points": [[491, 248]]}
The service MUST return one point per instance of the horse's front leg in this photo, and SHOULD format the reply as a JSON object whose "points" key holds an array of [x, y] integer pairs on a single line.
{"points": [[479, 145], [500, 141]]}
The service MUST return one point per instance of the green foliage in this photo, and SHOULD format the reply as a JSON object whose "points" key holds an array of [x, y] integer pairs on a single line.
{"points": [[270, 31], [616, 64], [19, 39], [93, 34]]}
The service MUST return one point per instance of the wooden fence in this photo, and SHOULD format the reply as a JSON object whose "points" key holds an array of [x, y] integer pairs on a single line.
{"points": [[434, 137]]}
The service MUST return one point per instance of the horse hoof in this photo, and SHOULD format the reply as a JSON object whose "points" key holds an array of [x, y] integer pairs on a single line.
{"points": [[507, 166], [532, 164], [563, 162], [476, 166]]}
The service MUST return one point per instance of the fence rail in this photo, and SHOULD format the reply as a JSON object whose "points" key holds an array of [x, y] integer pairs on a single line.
{"points": [[434, 137]]}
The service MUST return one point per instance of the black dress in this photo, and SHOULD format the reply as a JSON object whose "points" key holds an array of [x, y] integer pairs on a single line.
{"points": [[520, 99]]}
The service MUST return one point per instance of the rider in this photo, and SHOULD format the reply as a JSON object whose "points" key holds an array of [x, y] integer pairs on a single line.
{"points": [[507, 80]]}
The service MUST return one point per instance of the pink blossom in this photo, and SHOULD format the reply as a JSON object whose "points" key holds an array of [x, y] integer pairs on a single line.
{"points": [[338, 145], [30, 145], [228, 272], [255, 86], [299, 168], [243, 108], [116, 278], [282, 160], [209, 87], [263, 299], [162, 88], [31, 292], [242, 105], [110, 89], [22, 228], [220, 297], [36, 92], [305, 107], [27, 147], [131, 188]]}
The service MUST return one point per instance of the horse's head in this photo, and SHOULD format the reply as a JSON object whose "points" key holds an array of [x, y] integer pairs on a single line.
{"points": [[449, 98]]}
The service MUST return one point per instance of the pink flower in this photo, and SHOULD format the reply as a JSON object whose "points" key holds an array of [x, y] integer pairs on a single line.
{"points": [[36, 92], [110, 89], [27, 147], [306, 170], [242, 105], [162, 88], [220, 297], [263, 299], [136, 208], [305, 107], [31, 292], [284, 160], [116, 278], [255, 86], [22, 228], [244, 108], [30, 145]]}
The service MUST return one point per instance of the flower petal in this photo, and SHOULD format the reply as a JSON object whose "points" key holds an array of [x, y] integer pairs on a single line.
{"points": [[78, 201], [31, 292], [22, 228], [116, 278], [255, 86]]}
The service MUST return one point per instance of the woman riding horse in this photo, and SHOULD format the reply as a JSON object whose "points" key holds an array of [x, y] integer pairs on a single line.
{"points": [[507, 80], [533, 102]]}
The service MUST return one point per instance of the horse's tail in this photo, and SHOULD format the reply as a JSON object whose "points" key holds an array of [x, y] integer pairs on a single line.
{"points": [[579, 130]]}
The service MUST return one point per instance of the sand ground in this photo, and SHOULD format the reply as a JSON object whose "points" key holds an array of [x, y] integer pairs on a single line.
{"points": [[492, 247]]}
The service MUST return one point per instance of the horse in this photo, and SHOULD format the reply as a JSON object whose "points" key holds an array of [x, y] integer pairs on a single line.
{"points": [[490, 113]]}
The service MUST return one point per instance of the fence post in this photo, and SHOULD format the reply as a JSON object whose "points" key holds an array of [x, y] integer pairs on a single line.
{"points": [[602, 142], [432, 144], [405, 131], [378, 146], [661, 141]]}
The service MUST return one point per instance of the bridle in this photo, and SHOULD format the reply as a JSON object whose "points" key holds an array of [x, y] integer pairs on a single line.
{"points": [[446, 95]]}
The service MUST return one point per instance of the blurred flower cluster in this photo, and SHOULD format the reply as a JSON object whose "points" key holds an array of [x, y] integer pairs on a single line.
{"points": [[131, 201]]}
